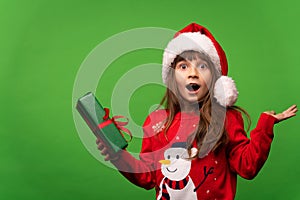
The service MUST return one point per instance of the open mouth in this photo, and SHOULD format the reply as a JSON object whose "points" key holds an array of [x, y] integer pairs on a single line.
{"points": [[192, 87]]}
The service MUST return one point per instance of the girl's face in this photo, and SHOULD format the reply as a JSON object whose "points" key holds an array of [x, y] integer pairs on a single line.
{"points": [[193, 78]]}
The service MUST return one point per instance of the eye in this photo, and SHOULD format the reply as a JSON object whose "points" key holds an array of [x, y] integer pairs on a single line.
{"points": [[202, 66], [177, 156], [183, 66], [168, 156]]}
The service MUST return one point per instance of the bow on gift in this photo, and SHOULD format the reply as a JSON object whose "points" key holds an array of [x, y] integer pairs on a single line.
{"points": [[119, 124]]}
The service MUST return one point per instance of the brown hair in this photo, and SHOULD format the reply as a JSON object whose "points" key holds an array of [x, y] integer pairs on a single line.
{"points": [[208, 124]]}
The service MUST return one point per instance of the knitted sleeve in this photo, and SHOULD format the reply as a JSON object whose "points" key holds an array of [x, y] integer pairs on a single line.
{"points": [[247, 156], [140, 172]]}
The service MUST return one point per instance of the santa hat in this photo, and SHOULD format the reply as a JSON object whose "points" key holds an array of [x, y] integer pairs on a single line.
{"points": [[197, 38]]}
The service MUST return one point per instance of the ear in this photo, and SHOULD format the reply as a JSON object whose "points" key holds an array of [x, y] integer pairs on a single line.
{"points": [[194, 152]]}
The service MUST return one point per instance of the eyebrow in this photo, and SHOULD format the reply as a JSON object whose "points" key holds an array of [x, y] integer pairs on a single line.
{"points": [[198, 61]]}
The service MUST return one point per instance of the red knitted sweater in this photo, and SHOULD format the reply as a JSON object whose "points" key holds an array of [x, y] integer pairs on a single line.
{"points": [[211, 177]]}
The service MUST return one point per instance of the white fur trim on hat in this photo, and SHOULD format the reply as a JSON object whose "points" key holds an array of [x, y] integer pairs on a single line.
{"points": [[225, 91], [189, 41]]}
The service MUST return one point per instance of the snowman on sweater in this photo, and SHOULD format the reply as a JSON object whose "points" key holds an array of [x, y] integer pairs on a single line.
{"points": [[177, 184]]}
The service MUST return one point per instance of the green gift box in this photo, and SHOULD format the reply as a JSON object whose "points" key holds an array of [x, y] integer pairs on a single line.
{"points": [[101, 125]]}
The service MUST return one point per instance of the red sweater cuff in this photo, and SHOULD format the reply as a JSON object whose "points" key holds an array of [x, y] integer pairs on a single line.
{"points": [[266, 122], [123, 156]]}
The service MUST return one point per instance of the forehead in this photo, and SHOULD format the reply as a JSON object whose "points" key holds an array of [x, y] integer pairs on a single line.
{"points": [[196, 61], [192, 56]]}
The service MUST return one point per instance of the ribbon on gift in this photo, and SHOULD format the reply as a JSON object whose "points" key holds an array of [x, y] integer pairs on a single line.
{"points": [[119, 124]]}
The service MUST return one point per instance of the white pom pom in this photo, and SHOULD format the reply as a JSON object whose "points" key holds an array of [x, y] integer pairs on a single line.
{"points": [[225, 91]]}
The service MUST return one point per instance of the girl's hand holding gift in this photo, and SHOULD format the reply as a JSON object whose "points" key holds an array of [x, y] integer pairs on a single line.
{"points": [[108, 156]]}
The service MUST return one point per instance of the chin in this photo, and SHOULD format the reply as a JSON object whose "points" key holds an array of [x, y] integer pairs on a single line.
{"points": [[190, 101]]}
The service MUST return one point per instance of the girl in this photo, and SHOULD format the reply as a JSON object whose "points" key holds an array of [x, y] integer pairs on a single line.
{"points": [[196, 147]]}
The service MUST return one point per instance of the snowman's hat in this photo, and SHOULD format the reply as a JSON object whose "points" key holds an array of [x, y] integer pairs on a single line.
{"points": [[179, 145]]}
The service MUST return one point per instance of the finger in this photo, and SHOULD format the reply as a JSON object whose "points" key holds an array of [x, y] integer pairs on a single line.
{"points": [[285, 115], [107, 158], [98, 141], [289, 115], [111, 157], [291, 112], [295, 109], [273, 112], [292, 108], [100, 146], [104, 151]]}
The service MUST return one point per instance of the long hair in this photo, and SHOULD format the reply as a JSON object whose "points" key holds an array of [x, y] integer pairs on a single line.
{"points": [[207, 123]]}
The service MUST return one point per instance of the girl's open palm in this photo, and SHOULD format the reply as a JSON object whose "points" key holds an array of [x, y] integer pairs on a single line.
{"points": [[288, 113]]}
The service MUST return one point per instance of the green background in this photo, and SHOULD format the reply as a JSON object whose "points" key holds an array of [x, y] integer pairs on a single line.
{"points": [[43, 44]]}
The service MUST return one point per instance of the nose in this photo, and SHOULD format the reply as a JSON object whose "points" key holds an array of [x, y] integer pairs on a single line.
{"points": [[193, 72], [165, 162]]}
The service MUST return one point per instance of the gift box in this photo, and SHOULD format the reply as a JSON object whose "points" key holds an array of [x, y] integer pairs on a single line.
{"points": [[99, 122]]}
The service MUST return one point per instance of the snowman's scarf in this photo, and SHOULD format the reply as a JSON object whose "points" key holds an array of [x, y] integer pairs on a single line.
{"points": [[175, 185]]}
